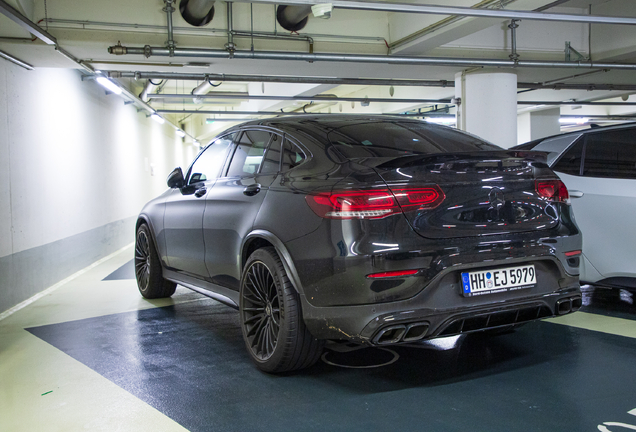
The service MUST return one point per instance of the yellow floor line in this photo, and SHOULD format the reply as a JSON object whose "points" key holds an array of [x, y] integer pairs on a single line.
{"points": [[599, 323]]}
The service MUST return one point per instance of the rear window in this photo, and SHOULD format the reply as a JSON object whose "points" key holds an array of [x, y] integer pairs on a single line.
{"points": [[384, 139]]}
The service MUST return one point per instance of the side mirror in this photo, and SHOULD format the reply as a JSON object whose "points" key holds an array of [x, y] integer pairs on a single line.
{"points": [[175, 179]]}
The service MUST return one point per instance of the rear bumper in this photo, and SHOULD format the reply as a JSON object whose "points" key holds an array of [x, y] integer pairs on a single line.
{"points": [[367, 325], [440, 310]]}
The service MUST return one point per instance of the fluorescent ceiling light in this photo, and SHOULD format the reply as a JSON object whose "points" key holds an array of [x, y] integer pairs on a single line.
{"points": [[574, 120], [111, 86], [440, 120], [156, 117], [180, 133]]}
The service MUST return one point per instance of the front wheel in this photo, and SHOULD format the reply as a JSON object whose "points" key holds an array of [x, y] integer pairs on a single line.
{"points": [[148, 271], [271, 319]]}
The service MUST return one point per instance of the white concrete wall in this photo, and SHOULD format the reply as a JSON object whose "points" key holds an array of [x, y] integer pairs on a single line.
{"points": [[72, 160]]}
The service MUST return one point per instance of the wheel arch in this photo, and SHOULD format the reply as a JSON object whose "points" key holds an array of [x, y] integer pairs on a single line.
{"points": [[261, 238], [144, 219]]}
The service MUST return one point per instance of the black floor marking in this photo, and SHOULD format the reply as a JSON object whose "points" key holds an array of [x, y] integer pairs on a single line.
{"points": [[127, 271], [189, 362]]}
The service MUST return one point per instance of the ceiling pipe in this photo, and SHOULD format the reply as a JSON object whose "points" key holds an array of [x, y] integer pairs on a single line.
{"points": [[319, 98], [280, 79], [197, 12], [354, 81], [169, 9], [503, 14], [299, 98], [293, 18], [272, 113], [149, 51]]}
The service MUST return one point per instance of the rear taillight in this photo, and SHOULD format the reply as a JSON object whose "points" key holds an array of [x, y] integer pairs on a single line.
{"points": [[375, 203], [554, 190]]}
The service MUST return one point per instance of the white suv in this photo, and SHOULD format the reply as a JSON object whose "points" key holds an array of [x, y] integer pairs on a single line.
{"points": [[598, 166]]}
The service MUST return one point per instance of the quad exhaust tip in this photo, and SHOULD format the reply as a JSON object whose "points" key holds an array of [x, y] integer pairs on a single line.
{"points": [[569, 304], [401, 333]]}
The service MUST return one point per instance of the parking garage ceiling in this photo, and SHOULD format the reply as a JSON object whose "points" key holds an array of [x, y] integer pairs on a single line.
{"points": [[387, 57]]}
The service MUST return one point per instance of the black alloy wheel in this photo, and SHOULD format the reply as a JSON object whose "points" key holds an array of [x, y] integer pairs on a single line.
{"points": [[271, 318], [261, 311], [150, 281]]}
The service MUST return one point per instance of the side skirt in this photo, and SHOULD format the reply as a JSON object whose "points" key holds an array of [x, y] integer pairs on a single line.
{"points": [[221, 294]]}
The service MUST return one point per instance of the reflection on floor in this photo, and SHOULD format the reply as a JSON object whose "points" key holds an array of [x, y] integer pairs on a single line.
{"points": [[613, 302], [181, 363]]}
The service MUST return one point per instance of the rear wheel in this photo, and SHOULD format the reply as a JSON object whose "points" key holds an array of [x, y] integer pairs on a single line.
{"points": [[150, 281], [271, 319]]}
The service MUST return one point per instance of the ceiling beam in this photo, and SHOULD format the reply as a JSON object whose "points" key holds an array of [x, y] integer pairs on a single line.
{"points": [[460, 11], [15, 16]]}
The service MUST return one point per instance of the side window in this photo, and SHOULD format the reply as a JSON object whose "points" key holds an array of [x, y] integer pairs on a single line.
{"points": [[209, 163], [271, 161], [249, 153], [611, 154], [292, 156], [570, 162]]}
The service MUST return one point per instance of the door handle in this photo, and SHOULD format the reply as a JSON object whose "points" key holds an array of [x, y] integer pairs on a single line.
{"points": [[252, 190], [200, 192], [576, 194]]}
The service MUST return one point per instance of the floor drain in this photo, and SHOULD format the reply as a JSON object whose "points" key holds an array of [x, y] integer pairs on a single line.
{"points": [[362, 358]]}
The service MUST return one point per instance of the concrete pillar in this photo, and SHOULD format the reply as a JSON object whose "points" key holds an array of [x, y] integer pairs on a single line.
{"points": [[538, 124], [488, 106]]}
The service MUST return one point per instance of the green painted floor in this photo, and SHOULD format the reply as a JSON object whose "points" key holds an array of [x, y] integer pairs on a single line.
{"points": [[93, 355]]}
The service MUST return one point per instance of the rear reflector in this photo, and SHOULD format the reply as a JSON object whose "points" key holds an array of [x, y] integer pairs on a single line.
{"points": [[375, 203], [553, 190], [392, 274], [573, 253]]}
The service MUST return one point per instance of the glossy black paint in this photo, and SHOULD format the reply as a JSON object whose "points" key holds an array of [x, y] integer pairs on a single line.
{"points": [[204, 240]]}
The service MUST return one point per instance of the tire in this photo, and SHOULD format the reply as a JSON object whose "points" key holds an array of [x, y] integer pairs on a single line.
{"points": [[271, 318], [148, 271]]}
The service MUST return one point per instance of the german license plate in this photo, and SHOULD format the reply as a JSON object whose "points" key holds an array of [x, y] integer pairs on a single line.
{"points": [[498, 280]]}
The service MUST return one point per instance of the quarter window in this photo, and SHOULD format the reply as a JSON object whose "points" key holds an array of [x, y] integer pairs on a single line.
{"points": [[271, 161], [209, 163], [611, 154], [292, 156], [249, 153]]}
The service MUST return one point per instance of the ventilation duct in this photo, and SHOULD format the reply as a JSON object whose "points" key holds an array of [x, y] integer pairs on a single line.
{"points": [[197, 12], [150, 88], [293, 18], [203, 89]]}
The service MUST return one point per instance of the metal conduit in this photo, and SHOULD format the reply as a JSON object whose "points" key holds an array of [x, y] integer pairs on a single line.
{"points": [[351, 81], [358, 58]]}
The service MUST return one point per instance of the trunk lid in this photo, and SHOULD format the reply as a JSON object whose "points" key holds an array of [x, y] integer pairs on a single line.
{"points": [[484, 192]]}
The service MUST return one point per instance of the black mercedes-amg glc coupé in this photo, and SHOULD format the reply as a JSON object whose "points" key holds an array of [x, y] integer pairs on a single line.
{"points": [[374, 229]]}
